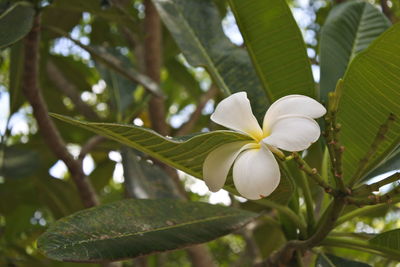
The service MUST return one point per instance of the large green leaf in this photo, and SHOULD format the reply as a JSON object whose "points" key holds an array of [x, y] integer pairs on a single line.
{"points": [[276, 47], [132, 228], [348, 30], [389, 239], [186, 154], [15, 23], [196, 27], [371, 90]]}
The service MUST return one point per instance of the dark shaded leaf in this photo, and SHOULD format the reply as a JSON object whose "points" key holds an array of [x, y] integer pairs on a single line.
{"points": [[131, 228], [15, 23]]}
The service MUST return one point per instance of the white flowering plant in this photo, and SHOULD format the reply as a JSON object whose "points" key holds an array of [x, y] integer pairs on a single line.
{"points": [[304, 135]]}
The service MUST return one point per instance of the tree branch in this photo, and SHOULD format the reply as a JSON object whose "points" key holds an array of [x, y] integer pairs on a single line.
{"points": [[68, 89], [188, 126], [47, 128]]}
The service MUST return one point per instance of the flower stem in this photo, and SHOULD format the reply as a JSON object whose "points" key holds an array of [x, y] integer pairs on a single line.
{"points": [[305, 187], [312, 173]]}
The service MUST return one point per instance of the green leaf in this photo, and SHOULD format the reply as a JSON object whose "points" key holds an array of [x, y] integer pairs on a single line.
{"points": [[389, 239], [144, 179], [15, 23], [391, 164], [204, 43], [276, 47], [136, 227], [187, 156], [348, 30], [15, 74], [328, 260], [371, 89]]}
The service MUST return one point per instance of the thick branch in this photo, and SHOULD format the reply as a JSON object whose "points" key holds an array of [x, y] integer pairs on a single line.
{"points": [[47, 128], [188, 126], [69, 90], [152, 60]]}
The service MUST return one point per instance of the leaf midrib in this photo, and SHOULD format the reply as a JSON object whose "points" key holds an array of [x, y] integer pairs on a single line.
{"points": [[74, 243]]}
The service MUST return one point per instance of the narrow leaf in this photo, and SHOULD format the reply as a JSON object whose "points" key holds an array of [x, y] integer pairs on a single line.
{"points": [[348, 30], [204, 43], [136, 227], [276, 47]]}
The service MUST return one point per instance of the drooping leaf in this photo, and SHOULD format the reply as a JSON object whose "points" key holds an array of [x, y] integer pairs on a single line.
{"points": [[144, 179], [15, 74], [121, 89], [186, 154], [389, 239], [276, 47], [328, 260], [371, 88], [204, 43], [15, 23], [136, 227], [348, 30]]}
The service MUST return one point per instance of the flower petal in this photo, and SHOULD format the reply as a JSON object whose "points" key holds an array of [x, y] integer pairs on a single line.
{"points": [[217, 164], [293, 133], [234, 112], [256, 173], [292, 105]]}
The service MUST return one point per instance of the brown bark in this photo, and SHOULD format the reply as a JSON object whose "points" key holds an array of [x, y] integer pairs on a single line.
{"points": [[387, 11], [51, 136], [200, 256], [152, 62]]}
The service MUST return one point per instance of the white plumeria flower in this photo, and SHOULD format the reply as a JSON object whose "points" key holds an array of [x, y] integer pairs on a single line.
{"points": [[288, 124]]}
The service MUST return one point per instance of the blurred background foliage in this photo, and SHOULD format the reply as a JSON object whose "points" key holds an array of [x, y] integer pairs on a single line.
{"points": [[91, 55]]}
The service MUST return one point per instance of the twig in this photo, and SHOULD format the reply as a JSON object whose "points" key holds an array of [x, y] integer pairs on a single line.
{"points": [[379, 138], [375, 199], [332, 130], [188, 126], [284, 255], [69, 90], [47, 128], [312, 173], [90, 144]]}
